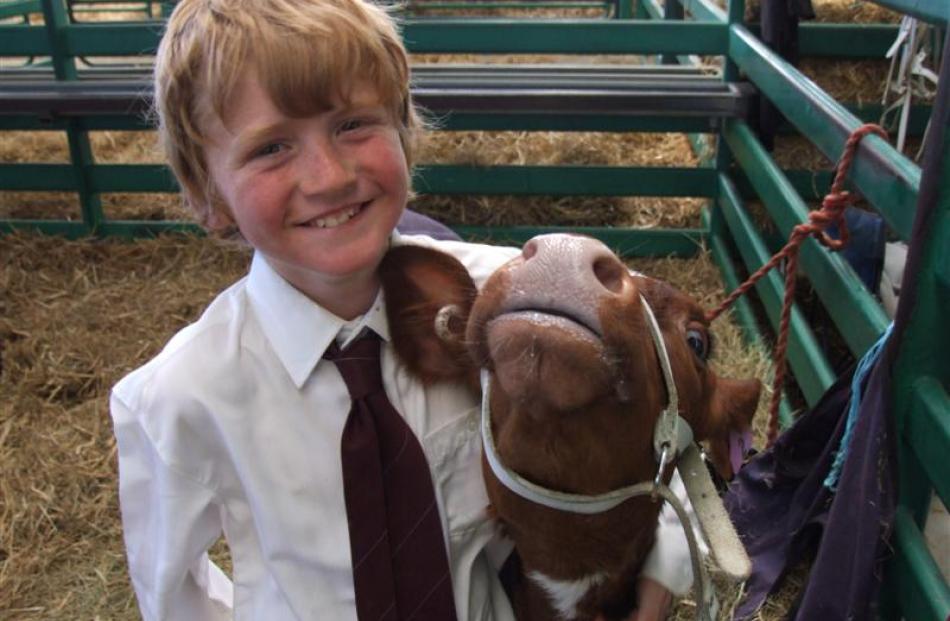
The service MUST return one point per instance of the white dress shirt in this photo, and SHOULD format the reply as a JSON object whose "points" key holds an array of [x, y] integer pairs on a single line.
{"points": [[235, 428]]}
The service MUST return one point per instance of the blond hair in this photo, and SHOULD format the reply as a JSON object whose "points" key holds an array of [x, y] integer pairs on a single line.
{"points": [[305, 52]]}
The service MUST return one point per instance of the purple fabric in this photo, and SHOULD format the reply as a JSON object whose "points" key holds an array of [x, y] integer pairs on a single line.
{"points": [[845, 577], [783, 511], [740, 442], [414, 223], [778, 502]]}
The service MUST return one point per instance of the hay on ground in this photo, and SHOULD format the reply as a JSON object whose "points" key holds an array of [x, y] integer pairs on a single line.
{"points": [[853, 12], [126, 147]]}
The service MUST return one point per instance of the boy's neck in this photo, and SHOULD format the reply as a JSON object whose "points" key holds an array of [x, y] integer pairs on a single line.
{"points": [[347, 298], [351, 305]]}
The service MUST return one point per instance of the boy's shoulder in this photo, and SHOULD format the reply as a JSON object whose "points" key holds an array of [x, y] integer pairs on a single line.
{"points": [[195, 356], [479, 259]]}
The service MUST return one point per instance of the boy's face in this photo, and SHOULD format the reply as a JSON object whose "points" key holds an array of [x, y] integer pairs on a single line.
{"points": [[318, 196]]}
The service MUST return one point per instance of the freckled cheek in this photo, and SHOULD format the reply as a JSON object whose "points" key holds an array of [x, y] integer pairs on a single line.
{"points": [[389, 160], [260, 201]]}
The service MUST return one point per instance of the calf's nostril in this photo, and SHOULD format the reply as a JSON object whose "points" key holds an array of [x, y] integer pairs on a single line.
{"points": [[530, 249], [609, 272]]}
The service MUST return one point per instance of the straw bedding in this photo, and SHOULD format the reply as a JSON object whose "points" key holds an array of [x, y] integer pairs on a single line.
{"points": [[76, 316]]}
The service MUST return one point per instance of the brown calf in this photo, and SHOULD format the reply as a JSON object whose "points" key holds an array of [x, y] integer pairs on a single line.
{"points": [[576, 391]]}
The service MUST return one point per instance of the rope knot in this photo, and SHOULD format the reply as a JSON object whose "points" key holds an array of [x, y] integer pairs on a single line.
{"points": [[831, 213]]}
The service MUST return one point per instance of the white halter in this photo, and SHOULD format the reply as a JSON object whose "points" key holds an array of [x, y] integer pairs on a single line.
{"points": [[672, 437]]}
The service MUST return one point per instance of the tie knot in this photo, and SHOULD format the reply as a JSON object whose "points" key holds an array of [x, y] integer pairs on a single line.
{"points": [[359, 365]]}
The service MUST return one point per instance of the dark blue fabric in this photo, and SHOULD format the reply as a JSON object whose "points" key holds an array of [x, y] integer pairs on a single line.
{"points": [[414, 223], [865, 248]]}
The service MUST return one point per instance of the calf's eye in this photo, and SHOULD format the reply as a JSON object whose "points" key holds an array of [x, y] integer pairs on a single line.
{"points": [[698, 342]]}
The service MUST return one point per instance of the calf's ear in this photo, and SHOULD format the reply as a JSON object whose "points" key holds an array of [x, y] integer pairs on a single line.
{"points": [[425, 288], [735, 401], [732, 408]]}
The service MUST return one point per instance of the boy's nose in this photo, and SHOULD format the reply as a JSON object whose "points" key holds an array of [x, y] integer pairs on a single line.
{"points": [[326, 170]]}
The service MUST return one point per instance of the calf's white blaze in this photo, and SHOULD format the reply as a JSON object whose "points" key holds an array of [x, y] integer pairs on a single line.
{"points": [[565, 594]]}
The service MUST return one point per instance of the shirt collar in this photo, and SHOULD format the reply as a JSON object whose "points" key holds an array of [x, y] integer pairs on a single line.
{"points": [[300, 330]]}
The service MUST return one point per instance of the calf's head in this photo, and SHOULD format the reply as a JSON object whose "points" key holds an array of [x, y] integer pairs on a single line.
{"points": [[577, 385]]}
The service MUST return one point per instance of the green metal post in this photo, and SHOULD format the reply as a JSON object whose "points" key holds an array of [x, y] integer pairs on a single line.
{"points": [[80, 151], [723, 162], [57, 20], [672, 10], [742, 309], [805, 357], [641, 10], [735, 14]]}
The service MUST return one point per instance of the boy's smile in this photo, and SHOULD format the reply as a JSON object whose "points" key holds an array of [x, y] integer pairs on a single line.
{"points": [[334, 219], [319, 195]]}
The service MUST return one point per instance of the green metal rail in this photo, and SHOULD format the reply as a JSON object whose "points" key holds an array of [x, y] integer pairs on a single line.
{"points": [[933, 11], [19, 8], [740, 171]]}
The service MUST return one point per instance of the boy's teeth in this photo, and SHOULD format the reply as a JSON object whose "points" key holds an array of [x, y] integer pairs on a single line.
{"points": [[336, 220]]}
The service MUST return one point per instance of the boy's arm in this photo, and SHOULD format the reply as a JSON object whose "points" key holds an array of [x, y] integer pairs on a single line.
{"points": [[169, 521]]}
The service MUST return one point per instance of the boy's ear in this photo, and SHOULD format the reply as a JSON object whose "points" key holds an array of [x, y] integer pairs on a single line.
{"points": [[429, 296], [219, 217], [219, 220]]}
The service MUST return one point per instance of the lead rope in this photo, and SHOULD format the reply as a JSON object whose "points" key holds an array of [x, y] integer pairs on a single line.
{"points": [[831, 212]]}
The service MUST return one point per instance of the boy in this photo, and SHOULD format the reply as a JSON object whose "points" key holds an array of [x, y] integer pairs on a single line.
{"points": [[289, 122]]}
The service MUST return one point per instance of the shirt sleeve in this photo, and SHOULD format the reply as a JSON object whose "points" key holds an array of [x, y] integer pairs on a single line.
{"points": [[480, 260], [169, 521], [668, 562]]}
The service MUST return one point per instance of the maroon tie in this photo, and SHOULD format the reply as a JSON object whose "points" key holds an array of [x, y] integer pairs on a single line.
{"points": [[400, 566]]}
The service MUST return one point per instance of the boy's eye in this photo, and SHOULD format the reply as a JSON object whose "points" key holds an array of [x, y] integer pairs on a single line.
{"points": [[351, 124], [269, 149]]}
